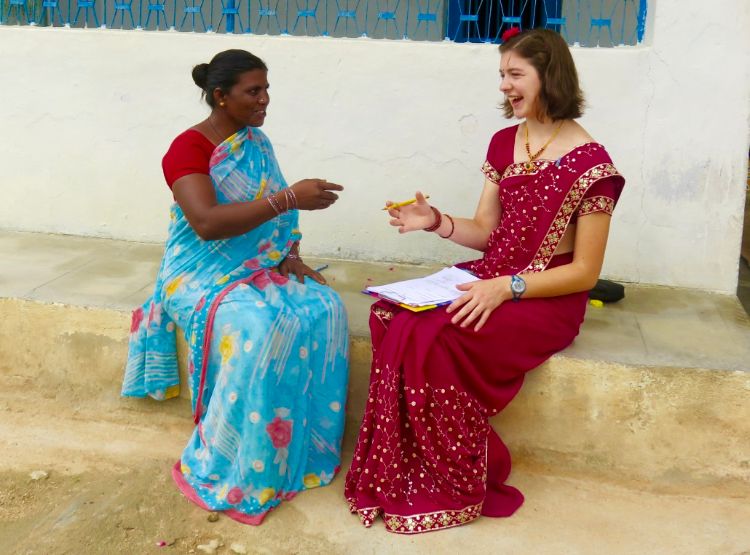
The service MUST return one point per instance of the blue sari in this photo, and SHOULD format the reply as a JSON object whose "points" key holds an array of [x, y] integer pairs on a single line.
{"points": [[268, 360]]}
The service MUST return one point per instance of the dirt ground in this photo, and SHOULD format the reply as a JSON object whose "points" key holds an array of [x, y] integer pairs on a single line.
{"points": [[109, 491]]}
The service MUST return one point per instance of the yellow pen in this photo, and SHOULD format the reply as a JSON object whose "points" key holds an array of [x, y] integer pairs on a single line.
{"points": [[405, 203]]}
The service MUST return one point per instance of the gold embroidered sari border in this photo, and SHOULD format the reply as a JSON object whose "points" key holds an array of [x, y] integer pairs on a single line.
{"points": [[420, 522], [569, 205], [430, 522], [526, 168], [596, 204], [490, 172]]}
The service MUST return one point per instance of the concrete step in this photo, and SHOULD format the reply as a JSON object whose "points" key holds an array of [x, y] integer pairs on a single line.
{"points": [[109, 492], [651, 386]]}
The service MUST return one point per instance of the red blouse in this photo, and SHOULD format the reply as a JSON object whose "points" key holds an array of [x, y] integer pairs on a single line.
{"points": [[600, 197], [190, 152]]}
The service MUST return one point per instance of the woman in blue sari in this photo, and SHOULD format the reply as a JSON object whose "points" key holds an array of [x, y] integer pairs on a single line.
{"points": [[268, 360]]}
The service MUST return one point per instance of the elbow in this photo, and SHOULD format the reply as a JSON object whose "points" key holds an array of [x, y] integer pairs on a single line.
{"points": [[590, 283], [205, 230], [590, 278], [587, 277]]}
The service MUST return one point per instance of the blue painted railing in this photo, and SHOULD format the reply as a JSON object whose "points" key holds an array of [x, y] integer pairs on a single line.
{"points": [[584, 22]]}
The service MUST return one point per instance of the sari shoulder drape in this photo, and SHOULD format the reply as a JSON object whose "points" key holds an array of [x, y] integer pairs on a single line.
{"points": [[539, 202], [242, 168]]}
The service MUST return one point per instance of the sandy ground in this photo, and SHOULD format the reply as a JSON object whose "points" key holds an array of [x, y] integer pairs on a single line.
{"points": [[109, 492]]}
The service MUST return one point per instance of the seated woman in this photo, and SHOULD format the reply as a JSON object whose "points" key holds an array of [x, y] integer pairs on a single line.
{"points": [[426, 457], [268, 360]]}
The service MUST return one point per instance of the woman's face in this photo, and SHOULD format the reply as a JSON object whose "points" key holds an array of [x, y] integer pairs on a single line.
{"points": [[520, 84], [248, 99]]}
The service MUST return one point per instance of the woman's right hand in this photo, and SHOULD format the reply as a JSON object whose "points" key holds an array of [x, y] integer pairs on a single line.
{"points": [[412, 217], [315, 194]]}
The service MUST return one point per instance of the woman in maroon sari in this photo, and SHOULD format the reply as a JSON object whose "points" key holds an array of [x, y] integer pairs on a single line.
{"points": [[426, 457]]}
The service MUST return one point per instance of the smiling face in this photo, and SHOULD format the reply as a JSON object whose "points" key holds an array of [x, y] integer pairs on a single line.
{"points": [[247, 100], [521, 85]]}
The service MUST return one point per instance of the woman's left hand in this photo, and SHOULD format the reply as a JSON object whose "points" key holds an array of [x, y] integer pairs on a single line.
{"points": [[300, 269], [480, 299]]}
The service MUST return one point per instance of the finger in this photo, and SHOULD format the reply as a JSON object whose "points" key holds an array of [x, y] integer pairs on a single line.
{"points": [[299, 271], [394, 212], [465, 286], [396, 222], [283, 270], [458, 303], [328, 195], [483, 320], [420, 198], [465, 311], [476, 313], [331, 186], [317, 277]]}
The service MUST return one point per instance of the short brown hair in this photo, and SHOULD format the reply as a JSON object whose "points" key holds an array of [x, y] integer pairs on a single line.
{"points": [[560, 96]]}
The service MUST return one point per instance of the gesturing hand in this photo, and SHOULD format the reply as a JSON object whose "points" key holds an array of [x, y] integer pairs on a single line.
{"points": [[315, 194], [300, 269], [480, 299], [412, 217]]}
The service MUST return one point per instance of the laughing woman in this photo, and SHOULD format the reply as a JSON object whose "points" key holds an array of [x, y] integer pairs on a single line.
{"points": [[426, 457], [268, 339]]}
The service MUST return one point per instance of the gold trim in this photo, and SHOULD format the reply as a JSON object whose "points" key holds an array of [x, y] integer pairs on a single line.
{"points": [[418, 523], [596, 204], [567, 209], [526, 168], [429, 522], [490, 172]]}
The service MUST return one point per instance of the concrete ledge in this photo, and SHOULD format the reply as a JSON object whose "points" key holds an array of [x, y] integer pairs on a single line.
{"points": [[654, 391], [574, 416]]}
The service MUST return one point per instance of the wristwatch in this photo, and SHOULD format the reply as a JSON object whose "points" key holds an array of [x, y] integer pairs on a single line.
{"points": [[517, 287]]}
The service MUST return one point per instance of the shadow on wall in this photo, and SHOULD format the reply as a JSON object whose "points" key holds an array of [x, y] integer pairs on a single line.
{"points": [[743, 281]]}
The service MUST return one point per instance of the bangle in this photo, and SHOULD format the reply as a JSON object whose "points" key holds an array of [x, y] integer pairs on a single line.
{"points": [[293, 256], [274, 202], [438, 220], [453, 227], [291, 198]]}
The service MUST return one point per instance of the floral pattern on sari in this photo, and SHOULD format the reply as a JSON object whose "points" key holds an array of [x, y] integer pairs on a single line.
{"points": [[268, 356], [426, 456]]}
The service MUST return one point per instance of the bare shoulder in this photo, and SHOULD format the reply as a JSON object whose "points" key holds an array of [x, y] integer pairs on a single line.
{"points": [[577, 134], [571, 135]]}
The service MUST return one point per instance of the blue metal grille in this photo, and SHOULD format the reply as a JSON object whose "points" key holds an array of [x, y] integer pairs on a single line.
{"points": [[584, 22]]}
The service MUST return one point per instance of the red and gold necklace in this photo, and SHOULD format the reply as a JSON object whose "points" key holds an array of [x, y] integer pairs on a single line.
{"points": [[529, 166]]}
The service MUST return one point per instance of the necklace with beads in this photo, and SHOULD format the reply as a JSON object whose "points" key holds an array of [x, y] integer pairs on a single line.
{"points": [[529, 166]]}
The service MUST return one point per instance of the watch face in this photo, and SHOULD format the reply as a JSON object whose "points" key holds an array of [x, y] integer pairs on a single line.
{"points": [[518, 286]]}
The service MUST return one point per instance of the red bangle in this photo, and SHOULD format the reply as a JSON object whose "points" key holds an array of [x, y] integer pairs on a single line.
{"points": [[453, 227], [438, 220]]}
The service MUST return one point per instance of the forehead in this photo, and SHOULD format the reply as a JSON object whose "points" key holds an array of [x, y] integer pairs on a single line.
{"points": [[511, 60], [253, 78]]}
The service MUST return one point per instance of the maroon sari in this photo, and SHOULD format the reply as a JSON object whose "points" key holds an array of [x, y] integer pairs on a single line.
{"points": [[426, 457]]}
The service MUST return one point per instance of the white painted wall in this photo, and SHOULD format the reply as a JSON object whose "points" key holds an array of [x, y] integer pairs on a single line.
{"points": [[86, 116]]}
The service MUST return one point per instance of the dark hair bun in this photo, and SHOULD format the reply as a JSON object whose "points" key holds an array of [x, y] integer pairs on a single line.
{"points": [[200, 75]]}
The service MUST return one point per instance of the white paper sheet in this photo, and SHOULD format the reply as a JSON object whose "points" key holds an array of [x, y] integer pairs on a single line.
{"points": [[437, 288]]}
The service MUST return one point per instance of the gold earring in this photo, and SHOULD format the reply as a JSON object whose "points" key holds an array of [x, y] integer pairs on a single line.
{"points": [[222, 103]]}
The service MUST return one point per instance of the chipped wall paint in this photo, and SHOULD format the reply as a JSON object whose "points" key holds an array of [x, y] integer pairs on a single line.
{"points": [[89, 113]]}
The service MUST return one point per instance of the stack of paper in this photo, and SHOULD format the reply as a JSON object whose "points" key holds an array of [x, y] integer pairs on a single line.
{"points": [[427, 292]]}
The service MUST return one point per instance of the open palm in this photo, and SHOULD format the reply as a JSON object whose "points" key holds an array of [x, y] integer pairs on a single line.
{"points": [[412, 217]]}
